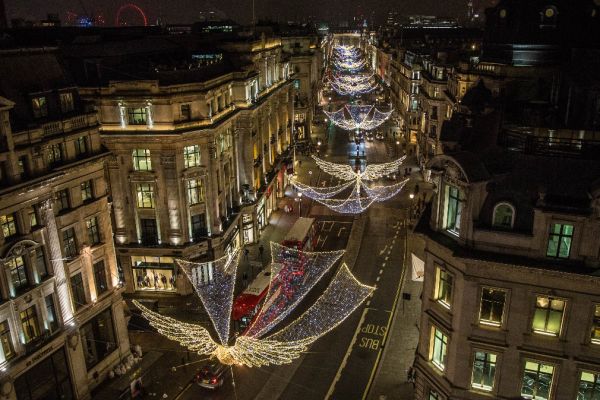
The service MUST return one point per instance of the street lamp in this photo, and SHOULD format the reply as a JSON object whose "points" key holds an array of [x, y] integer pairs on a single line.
{"points": [[300, 204]]}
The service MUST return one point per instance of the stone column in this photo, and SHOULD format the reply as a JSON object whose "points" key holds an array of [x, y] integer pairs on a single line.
{"points": [[56, 258]]}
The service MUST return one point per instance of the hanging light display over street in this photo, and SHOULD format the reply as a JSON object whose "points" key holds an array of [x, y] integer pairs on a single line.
{"points": [[288, 287], [362, 196], [358, 117]]}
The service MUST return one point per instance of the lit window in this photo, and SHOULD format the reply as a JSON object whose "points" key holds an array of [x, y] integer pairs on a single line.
{"points": [[504, 215], [559, 241], [145, 195], [62, 200], [142, 160], [66, 102], [433, 395], [443, 287], [29, 323], [596, 325], [18, 274], [93, 231], [86, 191], [589, 386], [453, 210], [548, 316], [40, 107], [537, 380], [438, 346], [484, 370], [5, 338], [137, 116], [9, 225], [191, 156], [492, 306], [33, 220], [69, 243], [195, 191]]}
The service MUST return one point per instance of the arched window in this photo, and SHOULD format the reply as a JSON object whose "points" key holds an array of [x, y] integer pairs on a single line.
{"points": [[504, 216]]}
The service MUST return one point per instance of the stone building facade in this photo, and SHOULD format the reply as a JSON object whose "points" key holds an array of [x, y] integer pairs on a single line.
{"points": [[61, 319], [196, 159]]}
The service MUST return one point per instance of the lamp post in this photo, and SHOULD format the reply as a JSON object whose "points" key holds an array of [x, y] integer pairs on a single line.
{"points": [[299, 204]]}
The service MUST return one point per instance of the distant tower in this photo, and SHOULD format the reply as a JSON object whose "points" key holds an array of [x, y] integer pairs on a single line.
{"points": [[3, 20], [470, 11]]}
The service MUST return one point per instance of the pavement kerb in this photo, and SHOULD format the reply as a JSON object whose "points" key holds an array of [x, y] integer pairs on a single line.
{"points": [[355, 240]]}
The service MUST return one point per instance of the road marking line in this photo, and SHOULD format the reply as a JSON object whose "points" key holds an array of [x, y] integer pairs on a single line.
{"points": [[338, 374], [380, 271], [383, 264], [386, 258], [378, 278], [383, 251]]}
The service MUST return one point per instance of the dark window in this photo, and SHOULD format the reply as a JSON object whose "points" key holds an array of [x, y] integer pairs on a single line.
{"points": [[51, 313], [81, 147], [62, 198], [6, 339], [149, 231], [49, 379], [137, 116], [18, 273], [198, 226], [186, 112], [23, 165], [434, 112], [40, 263], [40, 107], [29, 323], [78, 291], [55, 154], [492, 306], [70, 243], [98, 338], [100, 277]]}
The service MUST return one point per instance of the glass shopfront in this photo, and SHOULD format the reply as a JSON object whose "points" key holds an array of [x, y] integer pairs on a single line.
{"points": [[98, 338], [260, 214], [47, 380], [152, 273]]}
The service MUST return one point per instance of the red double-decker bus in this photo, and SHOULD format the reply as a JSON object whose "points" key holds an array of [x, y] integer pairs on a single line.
{"points": [[250, 301]]}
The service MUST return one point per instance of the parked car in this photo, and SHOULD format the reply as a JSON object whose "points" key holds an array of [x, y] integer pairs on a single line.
{"points": [[212, 375]]}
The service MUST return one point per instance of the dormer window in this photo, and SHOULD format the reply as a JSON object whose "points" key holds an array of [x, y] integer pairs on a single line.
{"points": [[560, 240], [452, 210], [504, 216], [39, 106]]}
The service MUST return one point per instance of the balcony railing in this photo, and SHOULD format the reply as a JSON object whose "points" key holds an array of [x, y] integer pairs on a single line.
{"points": [[548, 146]]}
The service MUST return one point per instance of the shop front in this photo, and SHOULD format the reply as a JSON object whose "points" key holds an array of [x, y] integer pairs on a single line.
{"points": [[154, 273], [248, 228], [232, 241], [48, 379]]}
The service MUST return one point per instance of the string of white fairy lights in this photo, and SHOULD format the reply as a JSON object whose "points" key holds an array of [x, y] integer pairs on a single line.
{"points": [[293, 274], [362, 117], [214, 282], [256, 350], [362, 195]]}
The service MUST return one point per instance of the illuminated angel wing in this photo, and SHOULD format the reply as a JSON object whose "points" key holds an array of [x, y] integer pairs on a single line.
{"points": [[192, 336], [340, 171], [254, 352], [376, 171]]}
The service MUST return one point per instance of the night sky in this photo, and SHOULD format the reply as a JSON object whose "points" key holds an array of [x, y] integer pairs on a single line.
{"points": [[185, 11]]}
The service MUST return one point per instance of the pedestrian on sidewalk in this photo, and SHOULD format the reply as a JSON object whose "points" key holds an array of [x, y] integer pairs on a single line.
{"points": [[246, 252], [261, 250]]}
